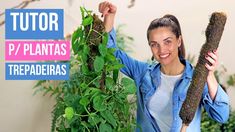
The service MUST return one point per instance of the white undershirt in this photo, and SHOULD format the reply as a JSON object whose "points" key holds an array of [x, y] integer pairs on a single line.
{"points": [[160, 104]]}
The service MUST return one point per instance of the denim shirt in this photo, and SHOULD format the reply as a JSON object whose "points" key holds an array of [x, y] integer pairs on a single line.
{"points": [[147, 79]]}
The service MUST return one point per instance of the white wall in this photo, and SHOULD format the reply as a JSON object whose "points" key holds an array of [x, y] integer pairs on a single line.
{"points": [[22, 112]]}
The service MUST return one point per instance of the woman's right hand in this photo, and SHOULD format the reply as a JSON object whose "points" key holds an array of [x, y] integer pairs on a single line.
{"points": [[108, 11]]}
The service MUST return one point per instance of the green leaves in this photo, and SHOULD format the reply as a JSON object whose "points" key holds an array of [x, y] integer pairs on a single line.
{"points": [[82, 12], [69, 113], [129, 86], [105, 39], [115, 66], [109, 117], [98, 103], [115, 75], [84, 101], [231, 80], [84, 57], [87, 21], [84, 53], [86, 49], [104, 127], [109, 83], [85, 69], [93, 99], [94, 119], [98, 63], [103, 50], [77, 37]]}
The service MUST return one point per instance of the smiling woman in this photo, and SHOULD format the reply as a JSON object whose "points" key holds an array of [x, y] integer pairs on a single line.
{"points": [[165, 84], [164, 45], [165, 39]]}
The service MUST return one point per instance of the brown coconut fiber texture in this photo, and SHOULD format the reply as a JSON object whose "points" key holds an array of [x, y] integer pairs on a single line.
{"points": [[93, 42], [94, 39], [214, 32]]}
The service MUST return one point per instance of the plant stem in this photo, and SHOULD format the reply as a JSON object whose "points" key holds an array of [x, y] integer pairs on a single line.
{"points": [[91, 26], [93, 80], [91, 118], [97, 32]]}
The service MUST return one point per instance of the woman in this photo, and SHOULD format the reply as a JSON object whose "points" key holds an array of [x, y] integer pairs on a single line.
{"points": [[162, 87]]}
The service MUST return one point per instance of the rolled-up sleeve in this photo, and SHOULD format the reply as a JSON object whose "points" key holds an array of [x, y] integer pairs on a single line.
{"points": [[217, 109], [112, 39]]}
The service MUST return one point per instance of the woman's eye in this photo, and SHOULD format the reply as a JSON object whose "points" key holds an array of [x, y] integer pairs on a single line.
{"points": [[154, 45], [168, 42]]}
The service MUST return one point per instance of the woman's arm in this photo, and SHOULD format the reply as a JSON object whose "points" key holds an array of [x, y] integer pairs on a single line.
{"points": [[215, 99], [212, 83], [132, 68], [108, 11]]}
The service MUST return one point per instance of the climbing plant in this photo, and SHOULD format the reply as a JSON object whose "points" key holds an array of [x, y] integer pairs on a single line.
{"points": [[94, 98]]}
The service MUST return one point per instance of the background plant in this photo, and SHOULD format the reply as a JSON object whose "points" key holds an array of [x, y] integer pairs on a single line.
{"points": [[94, 98]]}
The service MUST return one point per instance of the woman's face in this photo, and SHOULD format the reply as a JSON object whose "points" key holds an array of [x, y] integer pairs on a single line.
{"points": [[164, 45]]}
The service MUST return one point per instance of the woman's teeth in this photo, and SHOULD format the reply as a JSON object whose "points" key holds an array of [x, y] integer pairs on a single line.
{"points": [[164, 56]]}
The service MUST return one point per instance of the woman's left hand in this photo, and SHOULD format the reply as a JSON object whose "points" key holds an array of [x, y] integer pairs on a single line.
{"points": [[212, 57]]}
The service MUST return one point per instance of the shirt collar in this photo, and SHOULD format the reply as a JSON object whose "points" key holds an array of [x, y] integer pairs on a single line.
{"points": [[188, 71]]}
